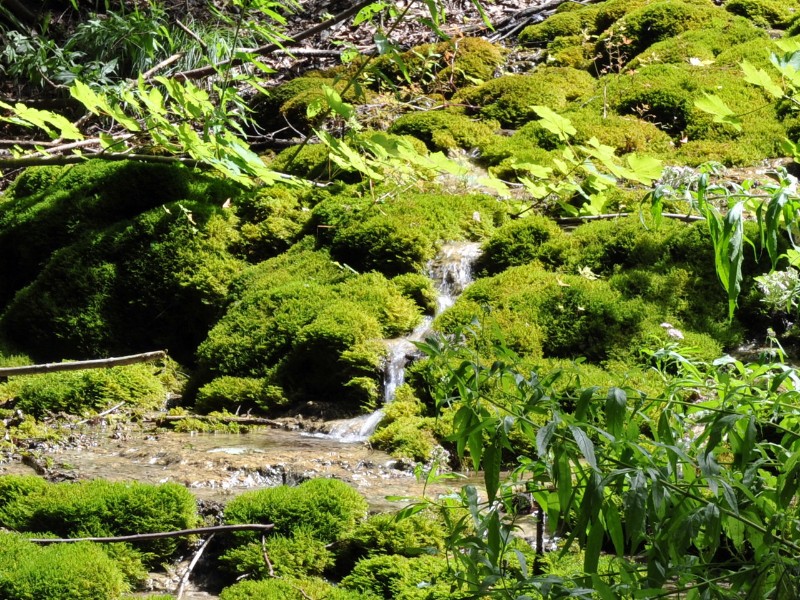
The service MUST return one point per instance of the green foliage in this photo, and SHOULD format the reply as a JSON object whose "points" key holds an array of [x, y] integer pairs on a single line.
{"points": [[422, 533], [510, 99], [102, 508], [84, 392], [325, 509], [272, 220], [419, 288], [81, 571], [444, 130], [307, 588], [407, 437]]}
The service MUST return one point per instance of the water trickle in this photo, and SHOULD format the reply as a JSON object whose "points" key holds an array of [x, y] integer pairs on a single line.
{"points": [[451, 272]]}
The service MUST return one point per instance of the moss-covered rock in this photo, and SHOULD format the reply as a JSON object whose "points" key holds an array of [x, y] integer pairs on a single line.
{"points": [[81, 571], [84, 392], [307, 588], [577, 22], [155, 281], [102, 508], [442, 68], [394, 576], [444, 130], [520, 242], [323, 509], [764, 13], [509, 99]]}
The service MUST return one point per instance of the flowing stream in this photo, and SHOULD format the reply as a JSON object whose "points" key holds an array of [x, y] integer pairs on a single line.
{"points": [[451, 272]]}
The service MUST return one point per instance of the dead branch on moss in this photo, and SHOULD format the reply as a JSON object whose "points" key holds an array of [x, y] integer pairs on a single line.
{"points": [[79, 365], [160, 419], [157, 535]]}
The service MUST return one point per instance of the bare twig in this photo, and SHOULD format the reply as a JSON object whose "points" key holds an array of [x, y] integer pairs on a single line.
{"points": [[158, 535], [83, 364], [102, 414], [164, 63], [266, 556], [196, 37], [578, 220], [74, 159], [190, 568]]}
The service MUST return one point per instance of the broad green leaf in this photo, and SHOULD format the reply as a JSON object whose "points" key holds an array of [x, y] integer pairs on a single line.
{"points": [[492, 454], [614, 527], [343, 109], [555, 123], [715, 106], [645, 169], [635, 500], [761, 78], [594, 544]]}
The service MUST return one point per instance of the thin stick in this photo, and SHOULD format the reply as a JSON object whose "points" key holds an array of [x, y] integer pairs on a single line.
{"points": [[231, 419], [266, 556], [83, 364], [156, 536], [190, 568], [164, 63], [102, 414]]}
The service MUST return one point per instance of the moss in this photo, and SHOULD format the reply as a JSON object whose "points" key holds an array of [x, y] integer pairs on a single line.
{"points": [[307, 588], [509, 99], [101, 508], [443, 130], [757, 52], [653, 22], [577, 22], [385, 534], [665, 94], [158, 280], [418, 288], [444, 67], [79, 571], [83, 392], [325, 509], [406, 437], [764, 13], [308, 326], [237, 394], [272, 220], [396, 576], [520, 242], [63, 207], [309, 161], [703, 45], [297, 556]]}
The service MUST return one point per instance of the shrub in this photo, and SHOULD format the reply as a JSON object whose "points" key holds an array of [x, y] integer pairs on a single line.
{"points": [[102, 508], [79, 392], [79, 571], [327, 509]]}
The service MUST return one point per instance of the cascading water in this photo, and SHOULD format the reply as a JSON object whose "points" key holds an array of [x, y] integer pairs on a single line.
{"points": [[451, 272]]}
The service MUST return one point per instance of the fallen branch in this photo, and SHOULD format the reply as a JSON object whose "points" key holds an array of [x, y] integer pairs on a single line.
{"points": [[270, 48], [78, 365], [157, 535], [190, 568], [74, 159], [579, 220], [231, 419]]}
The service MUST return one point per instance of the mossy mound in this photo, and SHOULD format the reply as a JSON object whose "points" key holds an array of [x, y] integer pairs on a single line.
{"points": [[308, 588], [48, 208], [158, 280], [307, 328], [400, 235], [99, 508], [442, 130], [394, 576], [509, 99], [578, 22], [665, 94], [82, 392], [765, 13], [441, 68], [81, 571]]}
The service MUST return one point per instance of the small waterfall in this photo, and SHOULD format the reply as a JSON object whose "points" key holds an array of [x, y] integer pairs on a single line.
{"points": [[451, 272]]}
